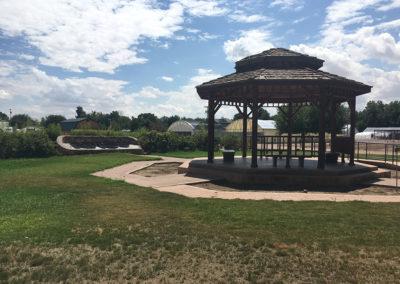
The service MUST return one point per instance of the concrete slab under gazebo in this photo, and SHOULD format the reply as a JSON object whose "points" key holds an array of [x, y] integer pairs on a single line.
{"points": [[288, 80]]}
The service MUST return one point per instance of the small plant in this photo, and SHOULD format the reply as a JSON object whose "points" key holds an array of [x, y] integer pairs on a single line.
{"points": [[231, 142]]}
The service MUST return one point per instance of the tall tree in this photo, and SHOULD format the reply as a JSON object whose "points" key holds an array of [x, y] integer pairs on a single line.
{"points": [[307, 120], [80, 112], [3, 116], [52, 119], [21, 121]]}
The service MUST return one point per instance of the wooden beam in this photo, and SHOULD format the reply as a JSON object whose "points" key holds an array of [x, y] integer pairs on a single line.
{"points": [[211, 121]]}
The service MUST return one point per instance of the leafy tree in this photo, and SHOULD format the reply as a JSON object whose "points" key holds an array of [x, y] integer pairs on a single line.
{"points": [[21, 121], [307, 120], [52, 119], [263, 114], [378, 114], [3, 116], [80, 112]]}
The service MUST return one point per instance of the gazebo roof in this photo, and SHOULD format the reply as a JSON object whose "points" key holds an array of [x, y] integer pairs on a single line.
{"points": [[278, 75], [278, 58]]}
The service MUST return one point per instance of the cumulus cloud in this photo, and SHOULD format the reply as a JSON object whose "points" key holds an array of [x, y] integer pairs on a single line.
{"points": [[33, 91], [201, 8], [288, 4], [249, 42], [347, 51], [242, 17], [96, 35], [4, 95], [167, 79]]}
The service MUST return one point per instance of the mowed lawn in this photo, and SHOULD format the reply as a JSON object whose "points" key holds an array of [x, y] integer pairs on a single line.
{"points": [[59, 223]]}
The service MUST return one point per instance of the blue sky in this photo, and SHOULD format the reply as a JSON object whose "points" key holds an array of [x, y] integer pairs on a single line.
{"points": [[148, 55]]}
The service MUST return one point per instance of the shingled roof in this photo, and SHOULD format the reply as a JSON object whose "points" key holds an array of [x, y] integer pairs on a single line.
{"points": [[279, 70], [278, 58]]}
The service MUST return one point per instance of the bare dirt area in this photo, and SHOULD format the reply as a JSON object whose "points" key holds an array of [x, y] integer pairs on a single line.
{"points": [[159, 169], [362, 189]]}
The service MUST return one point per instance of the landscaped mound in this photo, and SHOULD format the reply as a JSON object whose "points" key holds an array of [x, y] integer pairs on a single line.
{"points": [[71, 145]]}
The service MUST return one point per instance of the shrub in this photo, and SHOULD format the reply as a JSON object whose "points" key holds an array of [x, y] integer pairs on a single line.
{"points": [[231, 142], [53, 131], [34, 144], [26, 145], [8, 145]]}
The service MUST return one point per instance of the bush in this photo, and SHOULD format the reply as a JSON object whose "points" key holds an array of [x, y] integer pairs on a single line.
{"points": [[53, 131], [8, 145], [231, 142], [34, 144]]}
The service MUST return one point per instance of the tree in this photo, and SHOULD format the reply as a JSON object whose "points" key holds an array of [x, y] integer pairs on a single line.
{"points": [[378, 114], [3, 116], [307, 120], [52, 119], [21, 121], [80, 112], [263, 114]]}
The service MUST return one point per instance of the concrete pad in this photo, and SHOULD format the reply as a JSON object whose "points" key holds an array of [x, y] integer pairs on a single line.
{"points": [[185, 185]]}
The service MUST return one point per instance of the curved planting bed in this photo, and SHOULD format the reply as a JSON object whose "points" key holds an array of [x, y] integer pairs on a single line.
{"points": [[72, 145]]}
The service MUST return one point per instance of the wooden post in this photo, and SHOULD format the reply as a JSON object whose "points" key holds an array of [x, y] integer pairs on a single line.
{"points": [[244, 141], [289, 141], [352, 105], [211, 106], [334, 111], [254, 129], [321, 138]]}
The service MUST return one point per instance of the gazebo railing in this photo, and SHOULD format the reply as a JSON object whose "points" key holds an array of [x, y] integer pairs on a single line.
{"points": [[302, 146]]}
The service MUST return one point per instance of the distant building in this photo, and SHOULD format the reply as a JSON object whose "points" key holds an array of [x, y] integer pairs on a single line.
{"points": [[78, 123], [388, 133], [184, 127], [346, 130], [4, 126], [265, 127]]}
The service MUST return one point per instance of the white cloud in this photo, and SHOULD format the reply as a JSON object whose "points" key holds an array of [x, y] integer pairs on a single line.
{"points": [[39, 94], [347, 50], [392, 5], [26, 56], [167, 79], [242, 17], [299, 20], [200, 8], [250, 42], [288, 4], [4, 95], [96, 35]]}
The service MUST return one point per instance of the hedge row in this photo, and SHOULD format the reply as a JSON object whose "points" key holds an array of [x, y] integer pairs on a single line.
{"points": [[33, 144]]}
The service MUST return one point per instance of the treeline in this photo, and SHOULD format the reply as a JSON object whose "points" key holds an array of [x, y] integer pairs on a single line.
{"points": [[379, 114], [375, 114]]}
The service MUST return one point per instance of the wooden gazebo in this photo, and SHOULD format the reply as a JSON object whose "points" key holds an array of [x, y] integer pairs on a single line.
{"points": [[279, 77]]}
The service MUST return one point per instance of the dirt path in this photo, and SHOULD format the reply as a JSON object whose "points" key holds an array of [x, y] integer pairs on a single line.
{"points": [[162, 179]]}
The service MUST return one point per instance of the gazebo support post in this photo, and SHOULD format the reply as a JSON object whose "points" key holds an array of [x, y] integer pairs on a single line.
{"points": [[211, 106], [352, 105], [289, 140], [321, 140], [334, 110], [254, 129], [244, 138]]}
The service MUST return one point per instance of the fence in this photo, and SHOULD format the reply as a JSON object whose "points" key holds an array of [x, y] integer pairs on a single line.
{"points": [[307, 146], [376, 151]]}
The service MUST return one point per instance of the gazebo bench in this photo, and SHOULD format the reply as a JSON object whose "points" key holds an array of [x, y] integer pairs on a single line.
{"points": [[229, 156], [275, 160]]}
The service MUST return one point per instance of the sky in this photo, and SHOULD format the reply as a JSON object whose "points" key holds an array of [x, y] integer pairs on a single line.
{"points": [[148, 55]]}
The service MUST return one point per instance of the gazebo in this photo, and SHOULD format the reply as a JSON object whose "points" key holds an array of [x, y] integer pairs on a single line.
{"points": [[279, 77]]}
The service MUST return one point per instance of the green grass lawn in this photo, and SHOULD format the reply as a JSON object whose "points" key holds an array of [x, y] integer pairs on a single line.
{"points": [[59, 223]]}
